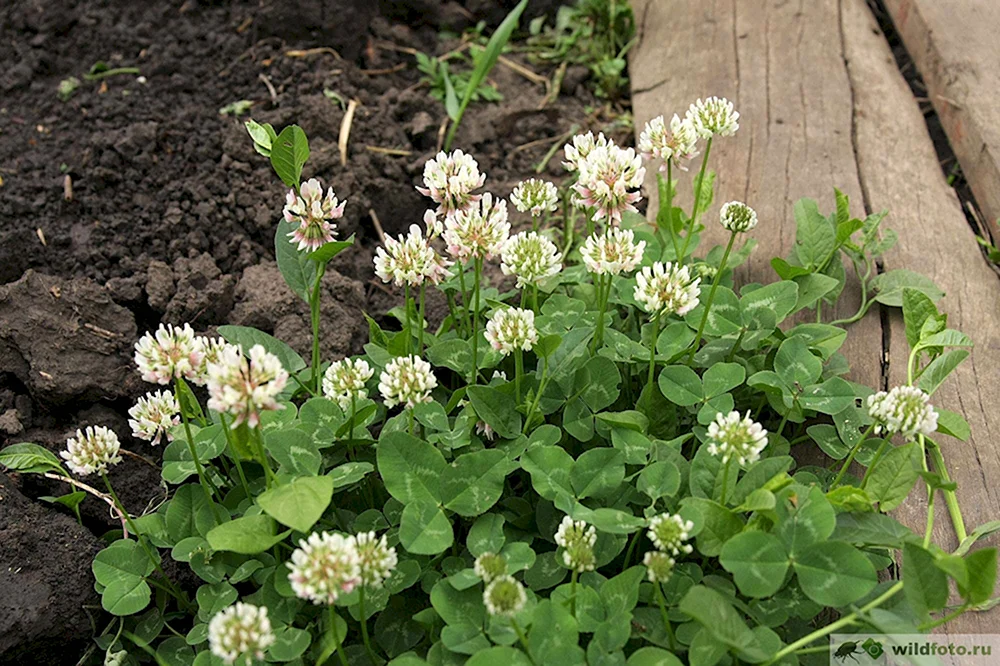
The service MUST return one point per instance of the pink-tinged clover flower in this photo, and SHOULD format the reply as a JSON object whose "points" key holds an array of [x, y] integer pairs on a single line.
{"points": [[153, 415], [666, 288], [172, 352], [479, 231], [245, 387], [240, 631], [676, 143], [530, 257], [314, 214], [612, 252], [580, 147], [609, 182], [376, 558], [92, 450], [323, 567], [535, 196], [449, 180], [410, 260], [713, 116]]}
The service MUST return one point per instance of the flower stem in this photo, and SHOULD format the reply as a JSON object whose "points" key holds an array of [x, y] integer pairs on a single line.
{"points": [[601, 306], [524, 641], [538, 395], [850, 457], [364, 626], [336, 638], [206, 483], [945, 619], [725, 481], [406, 306], [269, 475], [652, 358], [736, 346], [949, 495], [473, 373], [420, 322], [697, 201], [518, 371], [534, 299], [235, 455], [878, 456], [465, 297], [662, 603], [711, 296], [670, 208], [314, 298], [572, 593]]}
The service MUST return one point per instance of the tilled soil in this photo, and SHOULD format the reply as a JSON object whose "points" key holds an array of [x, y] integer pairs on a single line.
{"points": [[134, 201]]}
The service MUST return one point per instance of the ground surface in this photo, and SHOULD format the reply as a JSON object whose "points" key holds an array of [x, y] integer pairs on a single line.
{"points": [[172, 214]]}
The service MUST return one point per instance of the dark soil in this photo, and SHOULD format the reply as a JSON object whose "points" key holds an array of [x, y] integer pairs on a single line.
{"points": [[134, 202]]}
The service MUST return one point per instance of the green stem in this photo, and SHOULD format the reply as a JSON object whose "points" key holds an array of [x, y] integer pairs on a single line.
{"points": [[725, 481], [697, 200], [670, 208], [927, 626], [409, 414], [781, 426], [602, 305], [631, 548], [473, 373], [465, 297], [518, 371], [206, 484], [336, 638], [878, 456], [662, 603], [534, 223], [652, 357], [538, 395], [850, 456], [406, 306], [420, 323], [930, 493], [314, 299], [949, 495], [364, 626], [235, 456], [711, 296], [736, 346], [269, 476], [572, 593], [534, 299], [834, 626], [524, 641]]}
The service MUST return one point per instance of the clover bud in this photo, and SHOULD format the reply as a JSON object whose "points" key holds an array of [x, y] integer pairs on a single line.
{"points": [[504, 597], [489, 566], [669, 533]]}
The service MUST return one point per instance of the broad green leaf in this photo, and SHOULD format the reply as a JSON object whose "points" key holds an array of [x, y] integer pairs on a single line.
{"points": [[29, 458], [213, 598], [126, 596], [289, 151], [661, 479], [349, 473], [262, 136], [778, 298], [294, 450], [889, 286], [621, 593], [289, 644], [893, 476], [458, 607], [554, 634], [926, 586], [411, 468], [815, 237], [758, 562], [597, 382], [871, 529], [189, 513], [716, 614], [917, 307], [248, 535], [680, 385], [597, 472], [497, 409], [982, 567], [831, 397], [499, 655], [248, 337], [938, 370], [424, 529], [758, 474], [298, 504], [723, 377], [328, 251], [813, 287], [951, 423], [806, 516], [724, 319], [295, 267], [796, 365], [549, 467], [486, 535], [473, 483], [652, 656], [715, 524], [834, 573]]}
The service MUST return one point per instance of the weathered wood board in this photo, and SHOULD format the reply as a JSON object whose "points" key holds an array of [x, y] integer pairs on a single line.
{"points": [[823, 105], [955, 47]]}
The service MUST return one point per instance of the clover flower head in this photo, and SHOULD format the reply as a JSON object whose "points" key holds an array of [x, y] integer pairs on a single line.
{"points": [[153, 415], [535, 196], [504, 597], [479, 230], [676, 143], [738, 217], [486, 431], [344, 381], [314, 215], [449, 179], [730, 436], [713, 116], [92, 450], [245, 387], [323, 567], [376, 558], [704, 270], [489, 566], [409, 260], [659, 566], [530, 257], [905, 410], [511, 328], [580, 147], [666, 288], [433, 224], [240, 631], [577, 540], [406, 380], [670, 532], [170, 353], [612, 252], [609, 180], [211, 349]]}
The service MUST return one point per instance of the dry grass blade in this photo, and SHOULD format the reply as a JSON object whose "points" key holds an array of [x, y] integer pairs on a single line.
{"points": [[345, 130], [378, 225], [389, 151], [305, 53]]}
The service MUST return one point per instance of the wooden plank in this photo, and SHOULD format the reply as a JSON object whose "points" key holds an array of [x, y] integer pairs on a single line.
{"points": [[955, 47], [900, 172], [782, 65]]}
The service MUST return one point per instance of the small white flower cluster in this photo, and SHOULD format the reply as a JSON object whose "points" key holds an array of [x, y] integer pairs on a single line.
{"points": [[489, 566], [608, 181], [659, 566], [406, 380], [241, 630], [93, 450], [449, 180], [669, 533], [245, 387], [410, 260], [738, 217], [677, 143], [314, 214], [478, 231], [326, 565], [172, 352], [577, 540], [153, 415], [376, 558], [344, 381], [535, 196], [713, 116], [511, 328], [905, 410], [612, 252], [731, 436], [530, 257], [504, 597], [580, 146], [666, 288]]}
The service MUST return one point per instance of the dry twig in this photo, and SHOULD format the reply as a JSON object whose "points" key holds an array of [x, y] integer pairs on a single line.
{"points": [[378, 225]]}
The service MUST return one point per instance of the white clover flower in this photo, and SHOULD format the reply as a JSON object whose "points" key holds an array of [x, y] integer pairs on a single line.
{"points": [[345, 379], [676, 143], [243, 388], [406, 380], [479, 230], [433, 224], [211, 349], [530, 257], [504, 597], [659, 566], [511, 328], [609, 182], [730, 436], [376, 558], [486, 430], [449, 180], [535, 196], [93, 450], [153, 415], [490, 566], [904, 410], [172, 352], [737, 216], [577, 540], [663, 289], [670, 532], [410, 260], [580, 147], [314, 214], [323, 567], [241, 630], [612, 252], [713, 116]]}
